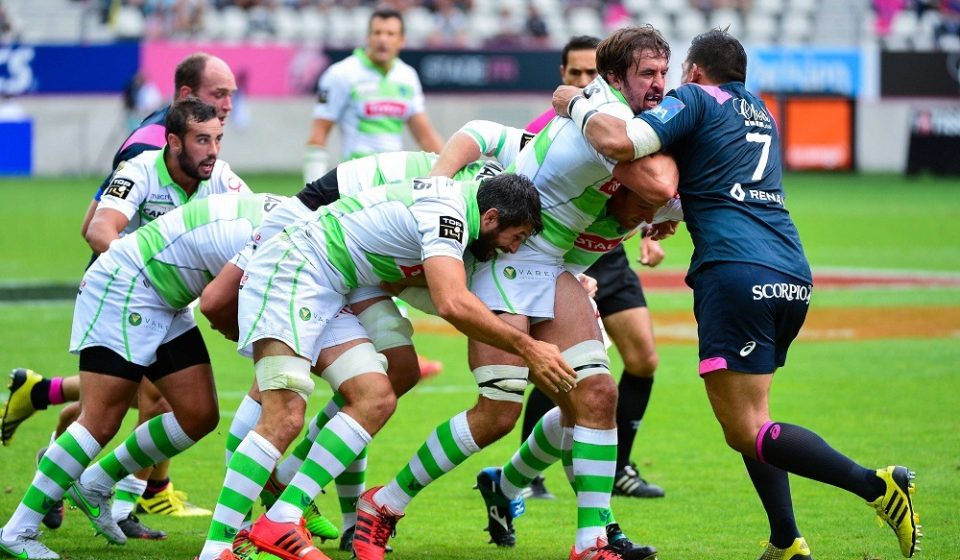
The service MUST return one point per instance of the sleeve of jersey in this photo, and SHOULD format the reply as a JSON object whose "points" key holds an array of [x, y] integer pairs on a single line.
{"points": [[130, 151], [490, 136], [442, 227], [126, 191], [676, 116], [332, 96], [230, 182], [417, 103], [669, 212]]}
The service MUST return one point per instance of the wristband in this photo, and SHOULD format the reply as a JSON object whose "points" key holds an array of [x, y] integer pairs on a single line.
{"points": [[581, 113]]}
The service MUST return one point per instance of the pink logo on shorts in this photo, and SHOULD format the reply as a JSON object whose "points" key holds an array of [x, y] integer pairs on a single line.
{"points": [[775, 431]]}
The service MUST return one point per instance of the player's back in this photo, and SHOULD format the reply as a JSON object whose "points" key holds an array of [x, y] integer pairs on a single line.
{"points": [[181, 251], [727, 148]]}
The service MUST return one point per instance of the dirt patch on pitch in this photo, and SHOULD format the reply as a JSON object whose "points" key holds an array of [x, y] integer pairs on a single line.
{"points": [[839, 324]]}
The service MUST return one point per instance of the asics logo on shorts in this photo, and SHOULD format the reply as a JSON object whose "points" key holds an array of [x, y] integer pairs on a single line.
{"points": [[747, 348], [782, 290]]}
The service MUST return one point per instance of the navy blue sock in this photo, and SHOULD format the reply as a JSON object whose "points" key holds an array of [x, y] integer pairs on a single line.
{"points": [[634, 395], [773, 488], [799, 451]]}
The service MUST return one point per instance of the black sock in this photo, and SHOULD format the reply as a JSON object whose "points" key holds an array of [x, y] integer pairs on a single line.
{"points": [[798, 450], [537, 405], [634, 395], [773, 488], [40, 394], [154, 487]]}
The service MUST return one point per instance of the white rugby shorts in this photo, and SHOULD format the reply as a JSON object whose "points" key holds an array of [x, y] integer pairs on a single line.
{"points": [[522, 283]]}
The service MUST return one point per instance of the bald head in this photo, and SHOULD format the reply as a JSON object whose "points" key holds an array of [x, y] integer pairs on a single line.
{"points": [[209, 78]]}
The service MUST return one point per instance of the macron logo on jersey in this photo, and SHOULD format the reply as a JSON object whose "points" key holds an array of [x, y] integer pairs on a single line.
{"points": [[667, 109]]}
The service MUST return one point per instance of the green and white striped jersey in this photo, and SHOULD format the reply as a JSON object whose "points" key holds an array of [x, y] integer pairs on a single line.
{"points": [[181, 251], [574, 180], [385, 233], [370, 106], [142, 189], [502, 143]]}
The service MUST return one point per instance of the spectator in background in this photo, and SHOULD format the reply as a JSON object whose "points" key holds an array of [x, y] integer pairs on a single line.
{"points": [[537, 31], [885, 10], [140, 98], [450, 24], [8, 33]]}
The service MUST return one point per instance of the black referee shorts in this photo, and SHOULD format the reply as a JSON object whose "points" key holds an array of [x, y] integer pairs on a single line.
{"points": [[618, 287]]}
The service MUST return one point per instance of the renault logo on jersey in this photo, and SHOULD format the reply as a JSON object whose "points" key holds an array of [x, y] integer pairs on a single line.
{"points": [[135, 319], [737, 192], [510, 273], [305, 314]]}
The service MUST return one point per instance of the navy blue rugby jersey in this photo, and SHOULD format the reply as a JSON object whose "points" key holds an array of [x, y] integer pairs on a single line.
{"points": [[151, 134], [727, 148]]}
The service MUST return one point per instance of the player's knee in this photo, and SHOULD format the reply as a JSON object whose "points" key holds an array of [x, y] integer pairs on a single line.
{"points": [[640, 364], [102, 425], [152, 406], [738, 435], [378, 402], [501, 422], [596, 398], [385, 325], [199, 423]]}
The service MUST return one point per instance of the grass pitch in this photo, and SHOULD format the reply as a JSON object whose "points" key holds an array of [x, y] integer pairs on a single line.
{"points": [[879, 401]]}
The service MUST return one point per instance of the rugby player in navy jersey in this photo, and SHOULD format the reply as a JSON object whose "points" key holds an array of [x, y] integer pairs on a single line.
{"points": [[750, 279]]}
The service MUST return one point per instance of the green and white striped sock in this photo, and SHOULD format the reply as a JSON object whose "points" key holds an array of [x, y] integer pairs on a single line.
{"points": [[338, 444], [449, 445], [541, 450], [350, 485], [246, 417], [125, 498], [63, 463], [594, 465], [157, 439], [248, 471]]}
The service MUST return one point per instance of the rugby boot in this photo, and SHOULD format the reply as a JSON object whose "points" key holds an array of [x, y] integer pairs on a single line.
{"points": [[346, 541], [537, 490], [134, 529], [628, 482], [318, 525], [501, 511], [96, 507], [26, 547], [244, 549], [618, 542], [798, 550], [19, 405], [53, 519], [375, 526], [429, 368], [599, 552], [170, 502], [289, 541], [895, 507]]}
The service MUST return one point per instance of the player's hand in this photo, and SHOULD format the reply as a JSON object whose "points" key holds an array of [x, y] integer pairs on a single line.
{"points": [[651, 253], [589, 284], [661, 231], [562, 96], [548, 368]]}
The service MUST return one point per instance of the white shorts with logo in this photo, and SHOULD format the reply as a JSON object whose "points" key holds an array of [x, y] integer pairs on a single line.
{"points": [[118, 309], [522, 283], [284, 297]]}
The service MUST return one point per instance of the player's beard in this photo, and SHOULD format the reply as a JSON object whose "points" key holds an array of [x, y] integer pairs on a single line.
{"points": [[193, 170], [484, 248]]}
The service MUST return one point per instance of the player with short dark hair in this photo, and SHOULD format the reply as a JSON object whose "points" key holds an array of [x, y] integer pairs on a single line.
{"points": [[750, 278]]}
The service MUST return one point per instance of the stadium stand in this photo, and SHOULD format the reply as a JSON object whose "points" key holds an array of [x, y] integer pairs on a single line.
{"points": [[891, 24]]}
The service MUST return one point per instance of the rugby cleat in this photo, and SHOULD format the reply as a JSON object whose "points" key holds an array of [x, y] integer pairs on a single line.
{"points": [[26, 547], [599, 552], [501, 511], [244, 549], [798, 550], [429, 368], [289, 541], [134, 529], [895, 507], [318, 525], [96, 507], [537, 490], [346, 541], [618, 542], [19, 405], [53, 519], [628, 482], [170, 502], [375, 525]]}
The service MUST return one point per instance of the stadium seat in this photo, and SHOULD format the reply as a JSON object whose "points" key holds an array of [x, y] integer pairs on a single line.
{"points": [[795, 29], [761, 28], [675, 7], [313, 27], [690, 24], [772, 7], [639, 7], [233, 24], [725, 17], [807, 7], [585, 21], [129, 23], [286, 23]]}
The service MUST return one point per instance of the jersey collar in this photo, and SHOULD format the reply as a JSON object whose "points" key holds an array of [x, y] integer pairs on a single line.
{"points": [[163, 175], [365, 60]]}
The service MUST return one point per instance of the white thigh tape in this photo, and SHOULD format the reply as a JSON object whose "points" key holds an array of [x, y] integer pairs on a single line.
{"points": [[291, 373], [588, 358], [502, 383], [362, 358], [385, 325]]}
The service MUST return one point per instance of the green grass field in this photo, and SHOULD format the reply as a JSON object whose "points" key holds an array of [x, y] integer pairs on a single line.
{"points": [[880, 401]]}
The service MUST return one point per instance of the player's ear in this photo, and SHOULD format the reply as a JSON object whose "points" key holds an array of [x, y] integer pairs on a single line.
{"points": [[491, 218], [174, 142]]}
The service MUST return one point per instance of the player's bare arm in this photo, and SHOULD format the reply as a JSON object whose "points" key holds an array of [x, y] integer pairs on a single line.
{"points": [[423, 132], [460, 150], [105, 226], [654, 178], [218, 301], [651, 253], [319, 132], [454, 302], [88, 217]]}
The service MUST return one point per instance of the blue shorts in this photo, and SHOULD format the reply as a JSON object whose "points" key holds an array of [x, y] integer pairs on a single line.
{"points": [[747, 316]]}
